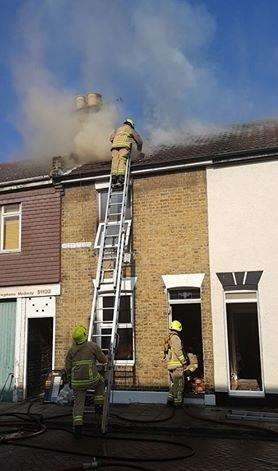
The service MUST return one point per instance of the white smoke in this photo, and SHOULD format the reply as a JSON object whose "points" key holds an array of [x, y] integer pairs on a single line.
{"points": [[148, 54]]}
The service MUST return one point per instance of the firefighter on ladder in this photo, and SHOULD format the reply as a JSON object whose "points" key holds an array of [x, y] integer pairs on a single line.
{"points": [[122, 139], [82, 374]]}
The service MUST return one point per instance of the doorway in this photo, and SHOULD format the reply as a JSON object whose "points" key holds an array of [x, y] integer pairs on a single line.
{"points": [[189, 315], [244, 347], [39, 353]]}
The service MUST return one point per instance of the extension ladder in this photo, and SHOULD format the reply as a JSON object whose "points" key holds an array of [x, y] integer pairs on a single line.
{"points": [[109, 279]]}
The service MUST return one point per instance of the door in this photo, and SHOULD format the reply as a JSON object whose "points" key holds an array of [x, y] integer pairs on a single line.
{"points": [[7, 348]]}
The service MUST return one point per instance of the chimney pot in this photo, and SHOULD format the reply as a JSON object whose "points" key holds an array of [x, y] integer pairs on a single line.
{"points": [[94, 100], [80, 102]]}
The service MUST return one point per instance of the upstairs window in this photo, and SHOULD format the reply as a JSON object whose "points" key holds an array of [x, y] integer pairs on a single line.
{"points": [[10, 225], [114, 229]]}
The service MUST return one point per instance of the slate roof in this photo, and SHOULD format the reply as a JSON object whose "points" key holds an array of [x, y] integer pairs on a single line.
{"points": [[250, 138]]}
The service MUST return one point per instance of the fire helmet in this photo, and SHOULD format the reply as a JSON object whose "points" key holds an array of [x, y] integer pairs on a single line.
{"points": [[79, 334], [129, 121], [176, 325]]}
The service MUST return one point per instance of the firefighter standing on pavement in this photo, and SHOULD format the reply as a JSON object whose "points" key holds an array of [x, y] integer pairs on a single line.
{"points": [[176, 364], [82, 373], [122, 140]]}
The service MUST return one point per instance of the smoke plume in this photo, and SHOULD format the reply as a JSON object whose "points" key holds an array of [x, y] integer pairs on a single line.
{"points": [[147, 57]]}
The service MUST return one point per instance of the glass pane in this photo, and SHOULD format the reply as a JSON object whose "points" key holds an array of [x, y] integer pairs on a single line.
{"points": [[11, 208], [108, 302], [189, 293], [125, 311], [114, 229], [244, 347], [240, 296], [11, 233], [125, 346], [116, 209], [103, 203], [105, 341]]}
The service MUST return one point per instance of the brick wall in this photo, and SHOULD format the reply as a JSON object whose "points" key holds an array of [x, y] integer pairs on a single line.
{"points": [[169, 237]]}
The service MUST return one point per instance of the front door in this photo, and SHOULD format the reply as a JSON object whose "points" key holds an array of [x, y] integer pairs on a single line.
{"points": [[7, 349]]}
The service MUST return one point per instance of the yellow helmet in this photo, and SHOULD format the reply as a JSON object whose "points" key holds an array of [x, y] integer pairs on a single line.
{"points": [[79, 334], [176, 325], [129, 121]]}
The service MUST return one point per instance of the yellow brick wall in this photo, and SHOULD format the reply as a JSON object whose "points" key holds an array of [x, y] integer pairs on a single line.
{"points": [[169, 237]]}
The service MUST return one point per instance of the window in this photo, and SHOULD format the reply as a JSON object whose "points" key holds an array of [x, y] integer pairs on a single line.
{"points": [[125, 350], [243, 342], [10, 227], [114, 228], [188, 293]]}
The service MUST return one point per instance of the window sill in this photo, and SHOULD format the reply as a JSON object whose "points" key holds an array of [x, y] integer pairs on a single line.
{"points": [[10, 251], [124, 362]]}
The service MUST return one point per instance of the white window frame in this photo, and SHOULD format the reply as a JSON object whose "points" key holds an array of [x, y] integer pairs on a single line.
{"points": [[129, 325], [100, 189], [101, 225], [242, 299], [4, 216]]}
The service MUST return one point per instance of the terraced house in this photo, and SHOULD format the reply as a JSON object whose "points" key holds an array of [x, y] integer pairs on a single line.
{"points": [[200, 248]]}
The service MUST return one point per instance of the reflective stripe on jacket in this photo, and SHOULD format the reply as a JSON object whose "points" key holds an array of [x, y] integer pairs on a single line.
{"points": [[81, 364], [175, 356], [124, 136]]}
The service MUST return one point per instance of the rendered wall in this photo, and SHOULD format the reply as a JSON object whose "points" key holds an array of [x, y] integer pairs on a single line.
{"points": [[243, 235]]}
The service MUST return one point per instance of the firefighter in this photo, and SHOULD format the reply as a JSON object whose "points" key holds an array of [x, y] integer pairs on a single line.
{"points": [[122, 140], [176, 364], [82, 374]]}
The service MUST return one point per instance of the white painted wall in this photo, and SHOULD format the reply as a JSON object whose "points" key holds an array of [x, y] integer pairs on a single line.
{"points": [[243, 236]]}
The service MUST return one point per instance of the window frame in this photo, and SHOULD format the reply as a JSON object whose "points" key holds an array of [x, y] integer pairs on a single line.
{"points": [[4, 216], [126, 325], [101, 190], [242, 299]]}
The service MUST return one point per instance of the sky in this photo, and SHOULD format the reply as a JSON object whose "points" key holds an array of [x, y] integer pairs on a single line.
{"points": [[175, 66]]}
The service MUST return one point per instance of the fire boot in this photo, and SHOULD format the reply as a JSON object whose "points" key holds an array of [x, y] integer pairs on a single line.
{"points": [[120, 183], [114, 180], [77, 432]]}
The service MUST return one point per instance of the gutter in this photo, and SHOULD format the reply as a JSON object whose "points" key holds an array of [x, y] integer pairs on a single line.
{"points": [[143, 171], [25, 180], [21, 186]]}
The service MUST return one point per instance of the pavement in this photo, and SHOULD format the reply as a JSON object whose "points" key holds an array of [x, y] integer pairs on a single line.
{"points": [[146, 437]]}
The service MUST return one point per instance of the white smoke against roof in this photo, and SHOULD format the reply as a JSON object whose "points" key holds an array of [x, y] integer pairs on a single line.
{"points": [[149, 54]]}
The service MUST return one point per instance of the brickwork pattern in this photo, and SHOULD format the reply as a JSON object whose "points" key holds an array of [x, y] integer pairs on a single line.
{"points": [[79, 224], [169, 237]]}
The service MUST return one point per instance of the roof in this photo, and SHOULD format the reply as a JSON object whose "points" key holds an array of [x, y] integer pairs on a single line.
{"points": [[250, 138], [240, 139], [13, 171]]}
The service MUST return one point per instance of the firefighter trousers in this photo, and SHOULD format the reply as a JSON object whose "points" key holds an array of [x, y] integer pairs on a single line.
{"points": [[79, 401], [177, 386], [119, 159]]}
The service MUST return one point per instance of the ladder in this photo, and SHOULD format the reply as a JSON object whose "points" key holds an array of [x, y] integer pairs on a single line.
{"points": [[109, 277]]}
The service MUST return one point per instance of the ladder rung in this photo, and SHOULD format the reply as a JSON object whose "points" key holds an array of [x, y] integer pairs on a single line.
{"points": [[104, 308], [115, 204], [101, 335], [104, 322], [109, 258]]}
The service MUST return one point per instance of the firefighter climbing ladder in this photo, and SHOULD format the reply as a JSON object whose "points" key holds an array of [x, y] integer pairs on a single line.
{"points": [[109, 278]]}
